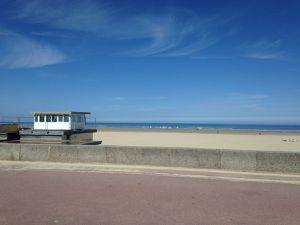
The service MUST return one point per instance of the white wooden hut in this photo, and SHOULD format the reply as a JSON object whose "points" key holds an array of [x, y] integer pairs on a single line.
{"points": [[60, 120]]}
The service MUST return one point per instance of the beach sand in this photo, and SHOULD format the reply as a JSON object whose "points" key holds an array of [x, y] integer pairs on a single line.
{"points": [[206, 138]]}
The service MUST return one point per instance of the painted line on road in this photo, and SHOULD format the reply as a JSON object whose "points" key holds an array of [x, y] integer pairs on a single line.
{"points": [[148, 170]]}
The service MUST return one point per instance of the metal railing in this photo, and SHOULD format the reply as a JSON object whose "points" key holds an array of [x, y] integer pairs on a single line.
{"points": [[22, 121], [91, 122]]}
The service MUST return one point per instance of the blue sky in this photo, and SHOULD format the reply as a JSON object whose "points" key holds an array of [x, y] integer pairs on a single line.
{"points": [[152, 61]]}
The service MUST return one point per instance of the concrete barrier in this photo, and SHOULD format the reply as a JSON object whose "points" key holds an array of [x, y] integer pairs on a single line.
{"points": [[267, 161], [278, 162], [238, 160], [153, 156], [10, 151], [32, 152], [62, 153], [91, 154]]}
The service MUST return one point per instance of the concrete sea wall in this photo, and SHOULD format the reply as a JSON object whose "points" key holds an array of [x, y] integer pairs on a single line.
{"points": [[260, 161]]}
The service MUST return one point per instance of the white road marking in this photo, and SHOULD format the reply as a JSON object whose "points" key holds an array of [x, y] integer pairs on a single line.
{"points": [[151, 170]]}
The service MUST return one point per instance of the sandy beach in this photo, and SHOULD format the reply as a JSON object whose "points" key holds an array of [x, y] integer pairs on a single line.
{"points": [[205, 138]]}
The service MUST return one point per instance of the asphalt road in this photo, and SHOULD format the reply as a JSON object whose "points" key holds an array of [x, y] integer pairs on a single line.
{"points": [[56, 194]]}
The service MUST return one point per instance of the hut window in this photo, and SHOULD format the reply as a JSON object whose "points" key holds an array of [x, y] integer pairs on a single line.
{"points": [[60, 118], [66, 118], [54, 118], [42, 118], [48, 118], [36, 118]]}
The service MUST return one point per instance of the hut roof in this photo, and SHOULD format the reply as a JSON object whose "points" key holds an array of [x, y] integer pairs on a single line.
{"points": [[59, 113]]}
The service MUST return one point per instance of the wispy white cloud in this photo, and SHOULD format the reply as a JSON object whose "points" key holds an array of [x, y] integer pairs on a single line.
{"points": [[221, 57], [118, 98], [44, 74], [153, 98], [274, 44], [172, 33], [166, 36], [70, 15], [156, 32], [5, 32], [21, 52], [203, 43], [266, 55], [265, 50], [244, 96], [51, 34], [146, 98], [75, 15]]}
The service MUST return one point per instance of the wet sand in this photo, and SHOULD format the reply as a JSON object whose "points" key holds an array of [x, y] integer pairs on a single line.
{"points": [[204, 138]]}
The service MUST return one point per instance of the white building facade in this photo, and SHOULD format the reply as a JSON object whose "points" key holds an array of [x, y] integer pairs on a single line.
{"points": [[59, 120]]}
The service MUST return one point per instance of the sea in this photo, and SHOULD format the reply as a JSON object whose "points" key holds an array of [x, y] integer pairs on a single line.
{"points": [[268, 127], [28, 121]]}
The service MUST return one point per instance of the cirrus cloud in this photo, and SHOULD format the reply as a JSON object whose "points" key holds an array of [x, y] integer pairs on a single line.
{"points": [[21, 52], [171, 33]]}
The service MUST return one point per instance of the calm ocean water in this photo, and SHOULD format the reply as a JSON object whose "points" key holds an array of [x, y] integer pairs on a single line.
{"points": [[204, 125], [29, 122]]}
